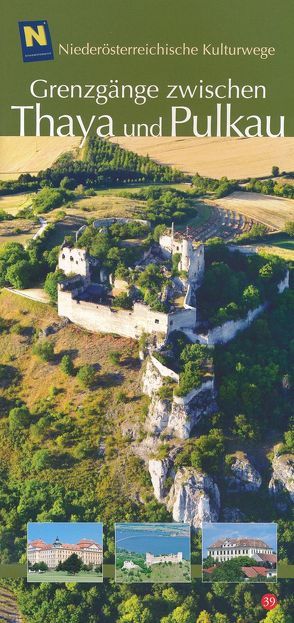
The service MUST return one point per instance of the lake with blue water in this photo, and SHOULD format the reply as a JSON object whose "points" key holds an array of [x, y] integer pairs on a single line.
{"points": [[142, 541]]}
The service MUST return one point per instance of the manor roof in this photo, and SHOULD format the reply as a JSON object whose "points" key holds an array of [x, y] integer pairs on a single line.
{"points": [[241, 542]]}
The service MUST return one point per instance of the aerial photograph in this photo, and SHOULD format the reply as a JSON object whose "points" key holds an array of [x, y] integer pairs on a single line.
{"points": [[239, 552], [53, 559], [146, 371], [152, 552]]}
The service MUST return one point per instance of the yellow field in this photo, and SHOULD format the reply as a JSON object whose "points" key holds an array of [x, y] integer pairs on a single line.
{"points": [[217, 157], [13, 203], [29, 154], [272, 211]]}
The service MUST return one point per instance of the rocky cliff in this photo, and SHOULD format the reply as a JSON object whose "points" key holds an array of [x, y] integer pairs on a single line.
{"points": [[194, 497], [242, 475], [281, 485]]}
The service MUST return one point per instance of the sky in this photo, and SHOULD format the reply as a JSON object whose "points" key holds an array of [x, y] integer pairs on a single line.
{"points": [[212, 531], [71, 532]]}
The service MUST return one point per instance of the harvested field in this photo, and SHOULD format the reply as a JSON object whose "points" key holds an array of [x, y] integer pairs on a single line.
{"points": [[12, 204], [237, 158], [18, 230], [30, 154], [274, 212]]}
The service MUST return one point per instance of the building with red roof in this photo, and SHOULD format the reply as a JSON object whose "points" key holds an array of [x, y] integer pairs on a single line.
{"points": [[90, 552]]}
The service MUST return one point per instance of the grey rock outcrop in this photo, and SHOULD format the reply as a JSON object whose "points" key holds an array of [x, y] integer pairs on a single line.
{"points": [[152, 379], [194, 497], [159, 471], [281, 485], [176, 419], [175, 416], [243, 476]]}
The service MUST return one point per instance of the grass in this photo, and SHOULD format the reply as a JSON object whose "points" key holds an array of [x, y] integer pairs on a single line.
{"points": [[12, 204], [104, 205], [68, 226], [202, 216], [84, 416], [58, 576], [161, 572]]}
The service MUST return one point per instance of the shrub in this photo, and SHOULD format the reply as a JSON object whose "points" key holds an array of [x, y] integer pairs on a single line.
{"points": [[41, 459], [19, 418], [44, 350], [67, 365], [115, 357], [51, 284], [86, 376], [123, 300]]}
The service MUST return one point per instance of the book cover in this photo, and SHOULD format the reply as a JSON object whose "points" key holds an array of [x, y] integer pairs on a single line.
{"points": [[146, 312]]}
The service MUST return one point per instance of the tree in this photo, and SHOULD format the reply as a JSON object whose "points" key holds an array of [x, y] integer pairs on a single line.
{"points": [[19, 274], [51, 284], [133, 610], [86, 376], [73, 564], [44, 350], [41, 460], [67, 365], [275, 171], [242, 428], [19, 418], [289, 228], [204, 617], [277, 615]]}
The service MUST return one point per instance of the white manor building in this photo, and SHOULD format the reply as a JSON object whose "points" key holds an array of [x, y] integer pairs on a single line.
{"points": [[228, 548], [90, 552], [155, 560]]}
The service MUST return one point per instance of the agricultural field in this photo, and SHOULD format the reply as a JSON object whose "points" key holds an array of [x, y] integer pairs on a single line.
{"points": [[235, 158], [29, 154], [17, 230], [271, 211], [12, 204], [8, 608]]}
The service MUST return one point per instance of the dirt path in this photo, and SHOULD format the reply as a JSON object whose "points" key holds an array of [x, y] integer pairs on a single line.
{"points": [[34, 294]]}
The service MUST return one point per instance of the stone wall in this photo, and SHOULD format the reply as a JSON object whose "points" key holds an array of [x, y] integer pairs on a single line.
{"points": [[104, 319], [227, 331], [129, 323], [182, 319]]}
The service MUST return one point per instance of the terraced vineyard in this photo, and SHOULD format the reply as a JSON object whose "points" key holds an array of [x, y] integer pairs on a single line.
{"points": [[8, 608], [225, 224]]}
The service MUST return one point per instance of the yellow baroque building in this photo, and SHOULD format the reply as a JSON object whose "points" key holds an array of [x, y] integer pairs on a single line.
{"points": [[90, 552]]}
